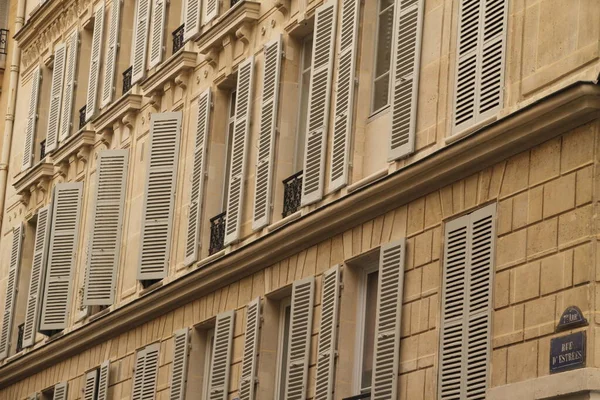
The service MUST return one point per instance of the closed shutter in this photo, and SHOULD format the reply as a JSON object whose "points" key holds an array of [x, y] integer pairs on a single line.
{"points": [[103, 377], [60, 391], [249, 361], [387, 328], [151, 372], [138, 375], [180, 360], [211, 10], [32, 116], [140, 44], [12, 284], [38, 273], [105, 235], [408, 18], [344, 99], [318, 103], [199, 170], [161, 177], [111, 53], [266, 139], [90, 385], [66, 206], [96, 53], [241, 132], [299, 340], [159, 10], [56, 91], [191, 19], [70, 83], [218, 386]]}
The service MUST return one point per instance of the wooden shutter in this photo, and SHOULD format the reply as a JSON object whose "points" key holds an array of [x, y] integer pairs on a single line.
{"points": [[70, 83], [249, 361], [96, 53], [161, 177], [140, 44], [103, 377], [191, 19], [387, 328], [90, 385], [199, 170], [60, 391], [318, 103], [150, 371], [111, 53], [105, 235], [408, 20], [211, 10], [180, 360], [32, 116], [66, 206], [12, 284], [56, 91], [241, 132], [266, 139], [138, 375], [159, 10], [300, 336], [219, 375], [38, 273]]}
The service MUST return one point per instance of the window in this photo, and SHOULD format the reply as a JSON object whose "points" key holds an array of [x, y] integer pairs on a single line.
{"points": [[228, 147], [208, 360], [285, 315], [304, 85], [383, 55], [367, 317]]}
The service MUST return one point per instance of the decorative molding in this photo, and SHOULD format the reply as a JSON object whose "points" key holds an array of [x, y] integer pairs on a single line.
{"points": [[283, 6], [26, 180], [243, 34], [212, 58], [76, 148], [178, 65], [106, 136], [129, 103]]}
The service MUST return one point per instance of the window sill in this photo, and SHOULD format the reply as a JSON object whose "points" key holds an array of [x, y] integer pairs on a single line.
{"points": [[78, 145], [379, 113], [171, 69], [470, 130], [35, 178], [116, 111]]}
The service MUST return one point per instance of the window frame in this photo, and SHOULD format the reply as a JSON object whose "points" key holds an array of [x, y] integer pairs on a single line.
{"points": [[208, 354], [300, 145], [374, 78], [229, 132], [280, 374]]}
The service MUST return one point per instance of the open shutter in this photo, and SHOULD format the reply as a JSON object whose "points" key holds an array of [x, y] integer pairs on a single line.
{"points": [[61, 256], [318, 103], [211, 10], [219, 375], [191, 19], [161, 177], [180, 360], [105, 235], [408, 20], [151, 372], [90, 385], [199, 170], [344, 99], [299, 341], [103, 380], [138, 375], [96, 53], [11, 291], [38, 273], [56, 91], [266, 139], [111, 53], [70, 83], [140, 44], [237, 169], [32, 116], [249, 361], [387, 328], [60, 391], [159, 10]]}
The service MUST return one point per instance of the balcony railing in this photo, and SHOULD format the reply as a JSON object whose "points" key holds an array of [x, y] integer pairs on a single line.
{"points": [[20, 338], [127, 79], [178, 41], [234, 2], [42, 149], [3, 41], [292, 194], [217, 233], [82, 112]]}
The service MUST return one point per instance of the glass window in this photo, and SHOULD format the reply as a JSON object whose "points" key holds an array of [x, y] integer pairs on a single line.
{"points": [[284, 340], [229, 146], [208, 355], [305, 72], [383, 55], [368, 329]]}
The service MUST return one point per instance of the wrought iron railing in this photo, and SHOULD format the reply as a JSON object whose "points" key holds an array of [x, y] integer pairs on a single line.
{"points": [[292, 194], [42, 149], [234, 2], [3, 41], [361, 396], [127, 79], [82, 112], [178, 41], [217, 233], [20, 338]]}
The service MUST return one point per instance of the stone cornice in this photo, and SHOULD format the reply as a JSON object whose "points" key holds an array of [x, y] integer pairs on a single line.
{"points": [[525, 128], [39, 173], [79, 145], [117, 110], [179, 63]]}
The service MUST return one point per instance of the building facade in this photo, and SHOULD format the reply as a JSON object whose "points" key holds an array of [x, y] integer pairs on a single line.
{"points": [[300, 199]]}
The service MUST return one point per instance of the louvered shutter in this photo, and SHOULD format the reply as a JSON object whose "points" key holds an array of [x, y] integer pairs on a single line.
{"points": [[90, 384], [218, 386], [108, 89], [387, 328], [266, 139], [56, 91], [150, 372], [249, 361], [159, 10], [105, 235], [161, 177], [299, 340], [103, 377], [12, 284], [32, 116], [66, 206], [211, 10], [318, 103], [408, 18], [241, 132], [38, 273], [140, 44], [70, 83], [180, 360], [95, 57], [33, 396], [138, 375], [344, 99], [60, 391], [191, 19], [199, 170]]}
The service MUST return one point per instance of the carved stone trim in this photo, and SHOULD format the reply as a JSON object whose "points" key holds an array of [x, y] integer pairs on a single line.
{"points": [[181, 62], [128, 103], [30, 178], [78, 146]]}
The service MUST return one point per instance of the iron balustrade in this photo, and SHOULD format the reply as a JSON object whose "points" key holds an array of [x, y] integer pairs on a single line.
{"points": [[3, 41], [20, 338], [127, 75], [82, 112], [217, 233], [42, 149], [292, 194], [178, 41]]}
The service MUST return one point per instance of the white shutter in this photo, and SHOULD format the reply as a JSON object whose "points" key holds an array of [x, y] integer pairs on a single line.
{"points": [[60, 391], [89, 388], [318, 103], [241, 132], [70, 83], [58, 75], [161, 177], [103, 381], [249, 362], [12, 284], [111, 53], [211, 10], [387, 329], [299, 340], [140, 44], [180, 360], [95, 58], [266, 139], [33, 396], [218, 386], [105, 235], [138, 375], [159, 10], [150, 372], [32, 116], [66, 206], [408, 20], [199, 170], [344, 99], [38, 273], [191, 19]]}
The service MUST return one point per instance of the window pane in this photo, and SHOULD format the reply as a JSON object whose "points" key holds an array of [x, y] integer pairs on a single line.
{"points": [[384, 42], [383, 4], [284, 351], [232, 105], [381, 92], [302, 119], [369, 330], [307, 56]]}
